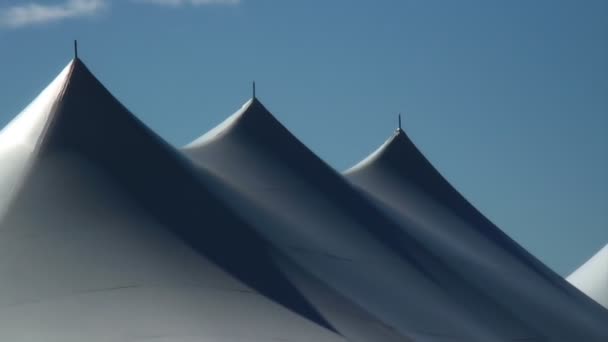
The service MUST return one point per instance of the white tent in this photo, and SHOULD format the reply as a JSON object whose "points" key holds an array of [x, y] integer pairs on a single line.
{"points": [[400, 179], [313, 215], [107, 233], [367, 251]]}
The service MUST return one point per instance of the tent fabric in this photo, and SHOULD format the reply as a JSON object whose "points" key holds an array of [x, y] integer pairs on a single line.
{"points": [[108, 233], [399, 178], [592, 277]]}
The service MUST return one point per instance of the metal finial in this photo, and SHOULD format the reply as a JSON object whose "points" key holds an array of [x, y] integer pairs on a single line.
{"points": [[399, 120], [75, 49], [254, 89]]}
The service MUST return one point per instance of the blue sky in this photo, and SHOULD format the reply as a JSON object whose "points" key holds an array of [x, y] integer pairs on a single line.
{"points": [[508, 99]]}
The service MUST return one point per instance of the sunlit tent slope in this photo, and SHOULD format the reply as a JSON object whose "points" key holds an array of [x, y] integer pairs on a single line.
{"points": [[592, 277], [401, 180], [107, 234], [333, 231]]}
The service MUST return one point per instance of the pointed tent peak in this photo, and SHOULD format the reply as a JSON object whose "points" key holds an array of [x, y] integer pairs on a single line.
{"points": [[29, 124], [397, 145], [74, 104], [253, 107], [79, 66], [63, 109], [79, 72], [251, 111]]}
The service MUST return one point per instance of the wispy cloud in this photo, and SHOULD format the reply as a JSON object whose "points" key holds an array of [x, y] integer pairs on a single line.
{"points": [[178, 3], [37, 13]]}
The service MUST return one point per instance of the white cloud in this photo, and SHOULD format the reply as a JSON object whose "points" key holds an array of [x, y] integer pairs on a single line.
{"points": [[178, 3], [36, 13]]}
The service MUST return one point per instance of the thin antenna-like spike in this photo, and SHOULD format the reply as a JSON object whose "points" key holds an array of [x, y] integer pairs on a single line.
{"points": [[399, 120], [254, 89], [75, 49]]}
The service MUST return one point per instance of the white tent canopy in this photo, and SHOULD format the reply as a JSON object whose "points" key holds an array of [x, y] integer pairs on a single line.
{"points": [[107, 233], [94, 245], [400, 179]]}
